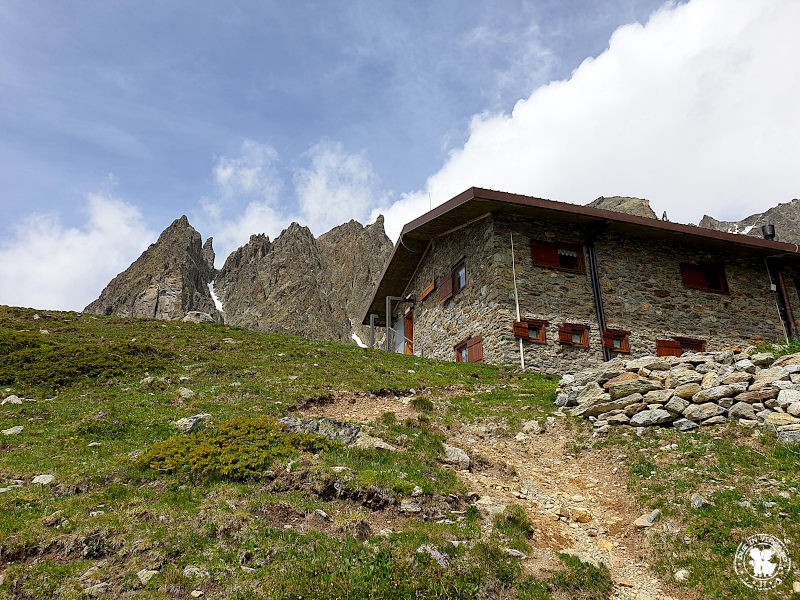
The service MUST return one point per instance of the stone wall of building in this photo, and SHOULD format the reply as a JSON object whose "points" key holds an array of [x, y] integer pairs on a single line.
{"points": [[547, 294], [640, 280], [643, 292], [440, 326]]}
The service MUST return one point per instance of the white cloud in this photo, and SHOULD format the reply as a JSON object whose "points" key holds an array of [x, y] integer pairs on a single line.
{"points": [[247, 199], [334, 187], [47, 265], [696, 110], [250, 174], [337, 187]]}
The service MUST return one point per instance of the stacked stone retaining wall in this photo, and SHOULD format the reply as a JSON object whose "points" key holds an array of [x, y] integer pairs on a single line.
{"points": [[689, 391]]}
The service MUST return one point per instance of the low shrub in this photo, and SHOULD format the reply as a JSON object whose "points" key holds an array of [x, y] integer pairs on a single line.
{"points": [[238, 449]]}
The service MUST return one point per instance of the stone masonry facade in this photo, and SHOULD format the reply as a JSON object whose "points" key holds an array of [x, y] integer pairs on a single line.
{"points": [[640, 281]]}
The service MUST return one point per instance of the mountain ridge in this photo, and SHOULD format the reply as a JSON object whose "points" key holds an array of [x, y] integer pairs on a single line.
{"points": [[296, 284]]}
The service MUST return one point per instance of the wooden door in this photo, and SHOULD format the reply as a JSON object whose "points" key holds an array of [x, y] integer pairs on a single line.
{"points": [[409, 332]]}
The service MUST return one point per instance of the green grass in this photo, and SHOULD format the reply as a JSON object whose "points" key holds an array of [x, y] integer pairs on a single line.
{"points": [[133, 492], [780, 349], [237, 496], [741, 473]]}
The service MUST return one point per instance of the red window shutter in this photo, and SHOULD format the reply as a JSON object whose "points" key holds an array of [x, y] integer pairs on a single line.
{"points": [[608, 339], [445, 288], [521, 330], [427, 291], [691, 344], [475, 349], [668, 348], [693, 276], [565, 334], [545, 254]]}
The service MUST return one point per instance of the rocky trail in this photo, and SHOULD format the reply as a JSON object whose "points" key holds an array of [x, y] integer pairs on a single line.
{"points": [[578, 504]]}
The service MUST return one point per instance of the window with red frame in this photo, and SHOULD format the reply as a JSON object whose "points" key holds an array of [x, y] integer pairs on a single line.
{"points": [[706, 277], [574, 334], [470, 350], [533, 330], [561, 256]]}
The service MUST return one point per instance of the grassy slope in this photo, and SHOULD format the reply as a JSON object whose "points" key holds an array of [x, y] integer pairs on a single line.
{"points": [[105, 388], [109, 511]]}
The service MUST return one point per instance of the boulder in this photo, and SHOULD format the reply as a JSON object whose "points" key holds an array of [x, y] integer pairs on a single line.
{"points": [[676, 405], [618, 419], [788, 359], [634, 386], [195, 316], [369, 442], [687, 390], [767, 377], [652, 417], [635, 408], [658, 396], [681, 375], [788, 397], [592, 393], [626, 376], [701, 412], [776, 419], [718, 392], [186, 424], [592, 410], [651, 363], [741, 410], [685, 425], [762, 359], [757, 396], [457, 457], [736, 377]]}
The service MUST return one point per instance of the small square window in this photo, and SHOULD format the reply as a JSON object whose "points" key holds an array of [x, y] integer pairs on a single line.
{"points": [[460, 277], [463, 355], [691, 344], [617, 340], [573, 334], [533, 330], [561, 256], [470, 350], [454, 282], [568, 259], [678, 346], [707, 277]]}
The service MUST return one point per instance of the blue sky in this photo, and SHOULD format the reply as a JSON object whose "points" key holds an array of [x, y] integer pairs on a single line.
{"points": [[118, 117]]}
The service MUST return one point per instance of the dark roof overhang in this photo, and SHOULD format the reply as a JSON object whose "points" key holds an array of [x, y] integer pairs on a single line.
{"points": [[476, 202]]}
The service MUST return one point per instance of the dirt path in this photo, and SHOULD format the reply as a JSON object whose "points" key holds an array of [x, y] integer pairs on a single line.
{"points": [[579, 505]]}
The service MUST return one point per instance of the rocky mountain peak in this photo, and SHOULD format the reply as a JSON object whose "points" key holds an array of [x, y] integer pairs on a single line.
{"points": [[167, 281], [785, 216], [639, 207], [302, 285], [296, 284], [208, 254]]}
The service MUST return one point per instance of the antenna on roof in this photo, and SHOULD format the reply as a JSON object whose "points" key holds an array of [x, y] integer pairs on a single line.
{"points": [[430, 202]]}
